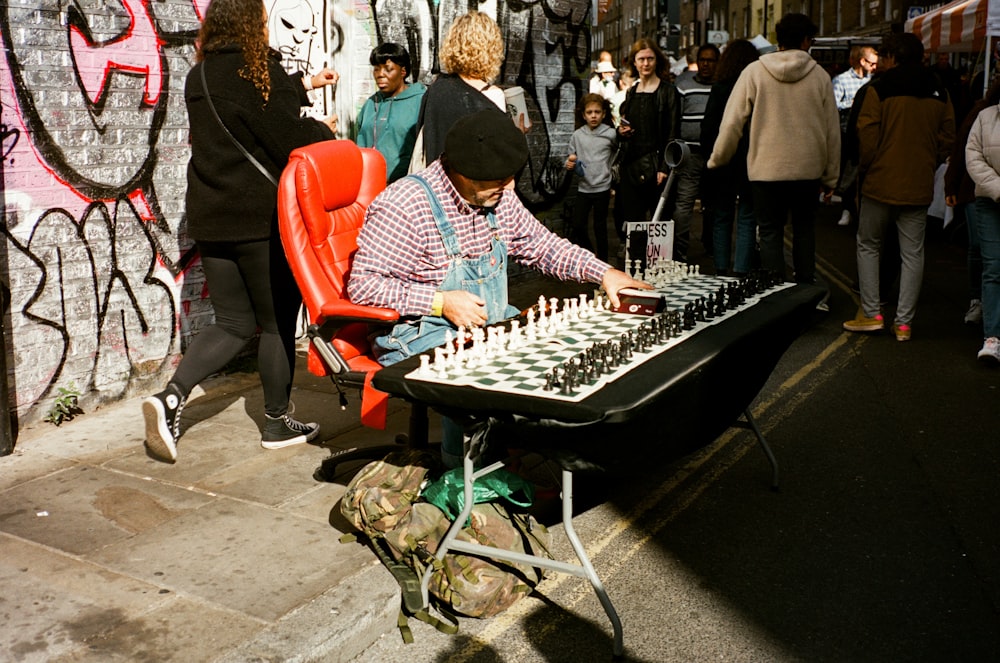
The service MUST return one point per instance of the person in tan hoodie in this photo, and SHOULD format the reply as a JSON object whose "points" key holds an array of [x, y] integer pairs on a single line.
{"points": [[794, 150]]}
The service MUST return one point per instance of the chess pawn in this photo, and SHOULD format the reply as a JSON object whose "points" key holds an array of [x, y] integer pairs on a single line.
{"points": [[514, 337], [440, 366]]}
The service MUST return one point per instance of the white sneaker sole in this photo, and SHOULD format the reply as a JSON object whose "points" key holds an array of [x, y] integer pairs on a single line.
{"points": [[988, 358], [159, 439], [292, 441]]}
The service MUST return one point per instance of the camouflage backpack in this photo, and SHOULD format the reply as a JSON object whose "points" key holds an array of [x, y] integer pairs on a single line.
{"points": [[380, 495], [470, 585], [382, 502]]}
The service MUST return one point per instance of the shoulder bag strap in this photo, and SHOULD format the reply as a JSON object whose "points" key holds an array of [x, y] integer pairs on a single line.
{"points": [[239, 146]]}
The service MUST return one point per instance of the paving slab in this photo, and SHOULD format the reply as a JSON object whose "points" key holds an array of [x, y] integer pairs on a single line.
{"points": [[179, 631], [52, 602], [82, 509], [23, 465], [247, 557], [334, 628]]}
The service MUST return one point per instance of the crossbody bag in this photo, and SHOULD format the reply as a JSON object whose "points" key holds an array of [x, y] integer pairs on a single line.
{"points": [[264, 171]]}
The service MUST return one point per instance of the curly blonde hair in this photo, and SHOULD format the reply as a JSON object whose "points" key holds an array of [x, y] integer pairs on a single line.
{"points": [[473, 47], [238, 22]]}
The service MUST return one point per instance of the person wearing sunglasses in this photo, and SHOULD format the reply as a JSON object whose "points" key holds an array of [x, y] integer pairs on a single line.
{"points": [[864, 60]]}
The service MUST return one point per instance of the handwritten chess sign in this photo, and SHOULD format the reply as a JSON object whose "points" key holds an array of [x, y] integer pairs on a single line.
{"points": [[649, 241]]}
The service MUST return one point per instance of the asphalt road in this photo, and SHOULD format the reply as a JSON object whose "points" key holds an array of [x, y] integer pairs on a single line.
{"points": [[881, 545]]}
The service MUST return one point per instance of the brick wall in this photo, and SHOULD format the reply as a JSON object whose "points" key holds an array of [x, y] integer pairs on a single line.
{"points": [[103, 288]]}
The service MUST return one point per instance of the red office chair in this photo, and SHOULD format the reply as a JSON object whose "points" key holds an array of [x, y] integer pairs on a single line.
{"points": [[322, 197]]}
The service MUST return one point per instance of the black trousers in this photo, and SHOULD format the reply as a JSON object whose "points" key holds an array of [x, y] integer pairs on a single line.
{"points": [[582, 207], [775, 203], [251, 286]]}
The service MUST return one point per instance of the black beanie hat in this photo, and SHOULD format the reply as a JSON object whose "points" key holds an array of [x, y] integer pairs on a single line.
{"points": [[486, 146]]}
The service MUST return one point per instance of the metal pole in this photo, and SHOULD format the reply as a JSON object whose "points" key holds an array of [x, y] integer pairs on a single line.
{"points": [[6, 436], [763, 26]]}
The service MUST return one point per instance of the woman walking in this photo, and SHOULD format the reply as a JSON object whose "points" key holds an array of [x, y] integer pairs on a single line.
{"points": [[240, 102]]}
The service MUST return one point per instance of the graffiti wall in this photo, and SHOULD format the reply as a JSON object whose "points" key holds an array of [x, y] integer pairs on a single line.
{"points": [[101, 286]]}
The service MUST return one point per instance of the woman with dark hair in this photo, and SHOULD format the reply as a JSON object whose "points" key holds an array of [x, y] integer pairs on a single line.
{"points": [[240, 101], [648, 120], [726, 190], [388, 120]]}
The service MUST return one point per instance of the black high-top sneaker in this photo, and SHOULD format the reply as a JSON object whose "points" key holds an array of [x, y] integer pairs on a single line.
{"points": [[162, 413], [283, 431]]}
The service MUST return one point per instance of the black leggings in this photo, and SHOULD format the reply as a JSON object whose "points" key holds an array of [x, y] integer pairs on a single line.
{"points": [[250, 286]]}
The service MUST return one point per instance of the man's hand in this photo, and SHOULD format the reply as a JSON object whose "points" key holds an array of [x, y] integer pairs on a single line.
{"points": [[463, 308], [827, 194], [615, 279], [660, 178], [950, 201], [571, 162]]}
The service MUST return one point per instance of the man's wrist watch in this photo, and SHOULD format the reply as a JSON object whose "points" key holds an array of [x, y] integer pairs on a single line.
{"points": [[437, 304]]}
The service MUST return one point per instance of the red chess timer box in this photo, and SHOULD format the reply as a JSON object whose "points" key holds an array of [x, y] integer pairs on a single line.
{"points": [[639, 302]]}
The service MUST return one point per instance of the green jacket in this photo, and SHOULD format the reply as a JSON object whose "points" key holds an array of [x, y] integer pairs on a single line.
{"points": [[390, 126]]}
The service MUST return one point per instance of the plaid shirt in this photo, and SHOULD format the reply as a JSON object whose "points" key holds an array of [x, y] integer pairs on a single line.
{"points": [[401, 259], [845, 86]]}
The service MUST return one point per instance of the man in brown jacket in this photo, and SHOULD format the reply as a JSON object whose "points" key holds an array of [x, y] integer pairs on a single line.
{"points": [[905, 129]]}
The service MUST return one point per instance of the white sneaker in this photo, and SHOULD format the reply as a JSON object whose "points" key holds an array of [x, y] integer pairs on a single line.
{"points": [[990, 354], [974, 315], [845, 219]]}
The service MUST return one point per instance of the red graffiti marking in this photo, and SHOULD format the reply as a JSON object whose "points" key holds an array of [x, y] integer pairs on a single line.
{"points": [[136, 51], [142, 207], [200, 7]]}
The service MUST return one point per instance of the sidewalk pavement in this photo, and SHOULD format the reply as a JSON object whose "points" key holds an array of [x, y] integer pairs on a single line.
{"points": [[231, 554]]}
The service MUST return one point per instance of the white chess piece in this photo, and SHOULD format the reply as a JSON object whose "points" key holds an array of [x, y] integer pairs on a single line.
{"points": [[514, 338], [439, 364]]}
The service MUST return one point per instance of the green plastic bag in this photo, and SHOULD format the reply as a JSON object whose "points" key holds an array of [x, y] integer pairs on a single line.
{"points": [[447, 493]]}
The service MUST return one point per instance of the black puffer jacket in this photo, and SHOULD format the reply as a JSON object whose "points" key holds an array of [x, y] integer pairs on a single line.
{"points": [[228, 199]]}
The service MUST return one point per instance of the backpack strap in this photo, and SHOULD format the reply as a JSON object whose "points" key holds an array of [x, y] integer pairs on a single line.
{"points": [[412, 600], [257, 164]]}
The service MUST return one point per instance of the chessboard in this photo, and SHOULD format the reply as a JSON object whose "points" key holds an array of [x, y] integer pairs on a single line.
{"points": [[570, 352], [679, 284]]}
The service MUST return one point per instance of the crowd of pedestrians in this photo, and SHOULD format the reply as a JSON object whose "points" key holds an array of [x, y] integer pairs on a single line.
{"points": [[773, 136]]}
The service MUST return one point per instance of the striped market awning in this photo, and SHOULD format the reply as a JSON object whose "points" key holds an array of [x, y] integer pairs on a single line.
{"points": [[958, 26]]}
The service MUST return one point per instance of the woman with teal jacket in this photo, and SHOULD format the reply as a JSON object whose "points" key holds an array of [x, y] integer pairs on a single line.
{"points": [[388, 120]]}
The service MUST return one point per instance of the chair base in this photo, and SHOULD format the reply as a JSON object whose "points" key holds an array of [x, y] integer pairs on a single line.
{"points": [[327, 470], [415, 439]]}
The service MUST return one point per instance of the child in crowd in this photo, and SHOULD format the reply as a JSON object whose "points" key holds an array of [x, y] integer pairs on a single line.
{"points": [[591, 148]]}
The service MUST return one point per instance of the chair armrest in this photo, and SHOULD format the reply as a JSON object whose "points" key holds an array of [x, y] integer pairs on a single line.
{"points": [[341, 311]]}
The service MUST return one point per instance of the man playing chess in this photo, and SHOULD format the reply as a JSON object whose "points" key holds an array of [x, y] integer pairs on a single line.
{"points": [[435, 245]]}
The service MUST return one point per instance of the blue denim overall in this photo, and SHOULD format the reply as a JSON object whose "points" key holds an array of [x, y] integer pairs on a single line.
{"points": [[485, 276]]}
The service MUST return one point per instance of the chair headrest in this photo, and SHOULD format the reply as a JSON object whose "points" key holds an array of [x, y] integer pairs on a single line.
{"points": [[333, 170]]}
